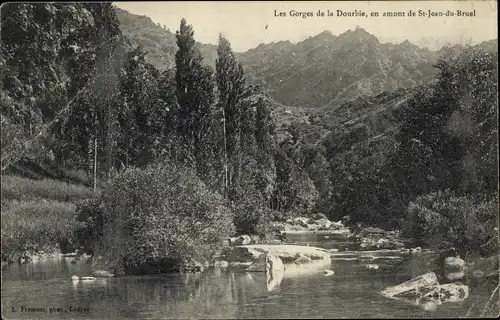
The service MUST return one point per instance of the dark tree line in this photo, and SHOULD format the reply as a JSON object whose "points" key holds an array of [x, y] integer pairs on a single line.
{"points": [[95, 102], [72, 84]]}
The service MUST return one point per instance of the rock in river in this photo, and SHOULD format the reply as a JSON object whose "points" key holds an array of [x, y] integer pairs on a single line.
{"points": [[287, 253], [428, 279], [102, 274], [303, 260], [426, 289], [241, 240], [454, 268], [266, 263]]}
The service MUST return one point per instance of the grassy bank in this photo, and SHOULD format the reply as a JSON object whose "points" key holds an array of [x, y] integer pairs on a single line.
{"points": [[25, 189], [37, 215]]}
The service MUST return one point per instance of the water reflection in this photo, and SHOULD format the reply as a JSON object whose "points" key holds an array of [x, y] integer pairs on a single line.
{"points": [[316, 267], [265, 282], [44, 269], [301, 291]]}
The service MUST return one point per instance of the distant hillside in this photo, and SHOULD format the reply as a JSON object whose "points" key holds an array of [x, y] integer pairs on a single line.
{"points": [[159, 42], [324, 70], [328, 69]]}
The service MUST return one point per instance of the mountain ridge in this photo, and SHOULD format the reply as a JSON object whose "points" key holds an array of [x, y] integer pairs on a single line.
{"points": [[322, 70]]}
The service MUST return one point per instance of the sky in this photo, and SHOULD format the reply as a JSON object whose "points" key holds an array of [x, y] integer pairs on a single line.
{"points": [[244, 22]]}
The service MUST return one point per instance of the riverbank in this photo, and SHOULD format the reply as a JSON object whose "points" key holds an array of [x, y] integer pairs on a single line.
{"points": [[316, 223], [38, 217]]}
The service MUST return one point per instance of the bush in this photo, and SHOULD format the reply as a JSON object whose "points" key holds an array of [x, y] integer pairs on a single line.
{"points": [[31, 226], [91, 223], [252, 218], [442, 219], [163, 216]]}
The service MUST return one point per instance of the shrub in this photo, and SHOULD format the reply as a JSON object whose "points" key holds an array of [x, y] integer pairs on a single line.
{"points": [[163, 215], [442, 219], [251, 217], [91, 223], [31, 226]]}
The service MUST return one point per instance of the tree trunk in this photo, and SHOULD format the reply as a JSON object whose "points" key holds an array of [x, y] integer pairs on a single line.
{"points": [[90, 162], [95, 164], [109, 141], [225, 154]]}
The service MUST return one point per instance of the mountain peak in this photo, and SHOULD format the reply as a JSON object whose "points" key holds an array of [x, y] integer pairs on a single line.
{"points": [[407, 44], [326, 33], [359, 34], [323, 36]]}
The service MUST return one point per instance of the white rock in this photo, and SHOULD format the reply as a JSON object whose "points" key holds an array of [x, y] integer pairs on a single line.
{"points": [[428, 279], [266, 263], [303, 260]]}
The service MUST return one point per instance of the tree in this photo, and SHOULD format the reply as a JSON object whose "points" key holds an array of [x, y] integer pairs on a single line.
{"points": [[56, 45], [164, 215], [195, 95], [231, 87], [448, 128], [142, 111], [38, 42], [92, 122]]}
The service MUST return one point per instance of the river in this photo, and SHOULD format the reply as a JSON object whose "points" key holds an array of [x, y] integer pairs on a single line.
{"points": [[43, 290]]}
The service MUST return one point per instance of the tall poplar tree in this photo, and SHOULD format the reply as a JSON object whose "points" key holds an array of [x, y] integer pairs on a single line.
{"points": [[231, 88], [195, 95]]}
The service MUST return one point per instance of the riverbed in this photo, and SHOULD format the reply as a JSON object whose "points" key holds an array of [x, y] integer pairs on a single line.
{"points": [[43, 289]]}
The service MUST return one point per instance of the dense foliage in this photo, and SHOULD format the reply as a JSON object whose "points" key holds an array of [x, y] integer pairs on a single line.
{"points": [[443, 220], [162, 216], [77, 92]]}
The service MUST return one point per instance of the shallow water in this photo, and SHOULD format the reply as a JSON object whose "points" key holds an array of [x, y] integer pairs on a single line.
{"points": [[353, 291]]}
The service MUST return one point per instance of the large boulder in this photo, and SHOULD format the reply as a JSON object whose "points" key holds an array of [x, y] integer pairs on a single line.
{"points": [[319, 216], [454, 263], [426, 289], [266, 262], [287, 253], [302, 221], [303, 260], [436, 295], [385, 243], [255, 239], [337, 225], [454, 268], [322, 224], [426, 280], [368, 244], [240, 254], [241, 240]]}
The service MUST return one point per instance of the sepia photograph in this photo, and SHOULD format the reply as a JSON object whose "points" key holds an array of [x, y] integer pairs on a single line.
{"points": [[249, 160]]}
